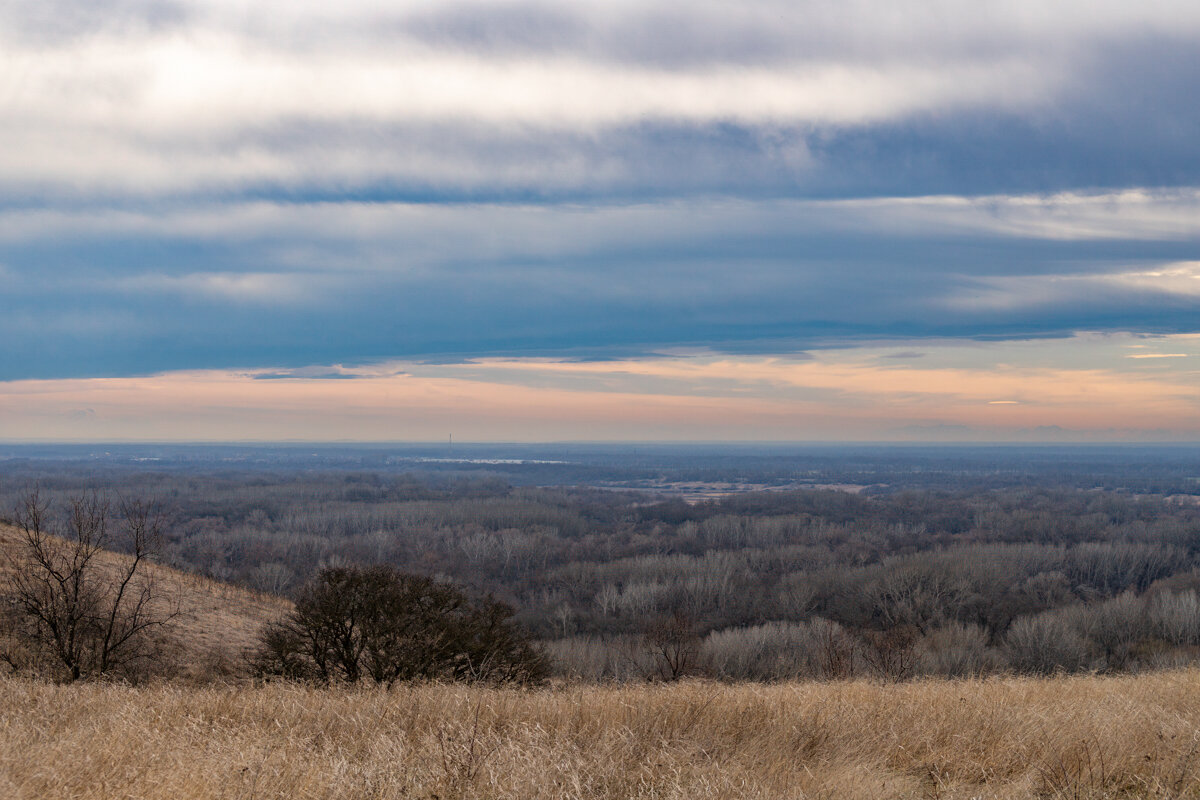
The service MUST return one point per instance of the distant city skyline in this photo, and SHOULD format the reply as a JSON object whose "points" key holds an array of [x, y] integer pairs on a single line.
{"points": [[549, 221]]}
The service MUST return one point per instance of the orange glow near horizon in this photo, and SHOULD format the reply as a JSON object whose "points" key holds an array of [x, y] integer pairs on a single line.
{"points": [[863, 393]]}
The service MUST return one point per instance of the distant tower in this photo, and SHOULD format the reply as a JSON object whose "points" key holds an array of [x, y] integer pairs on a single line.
{"points": [[450, 445]]}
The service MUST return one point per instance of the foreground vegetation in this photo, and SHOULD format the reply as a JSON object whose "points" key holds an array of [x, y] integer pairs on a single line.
{"points": [[1061, 737], [888, 629]]}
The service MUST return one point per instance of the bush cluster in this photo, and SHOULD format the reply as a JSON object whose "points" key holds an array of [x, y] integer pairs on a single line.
{"points": [[380, 625]]}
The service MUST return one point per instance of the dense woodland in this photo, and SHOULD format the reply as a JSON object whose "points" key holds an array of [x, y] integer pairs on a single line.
{"points": [[890, 581]]}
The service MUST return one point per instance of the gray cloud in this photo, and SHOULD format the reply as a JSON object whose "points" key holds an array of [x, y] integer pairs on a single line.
{"points": [[290, 285], [62, 22], [556, 101], [198, 184]]}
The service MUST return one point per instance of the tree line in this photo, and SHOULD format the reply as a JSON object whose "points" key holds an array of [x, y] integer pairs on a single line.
{"points": [[761, 585]]}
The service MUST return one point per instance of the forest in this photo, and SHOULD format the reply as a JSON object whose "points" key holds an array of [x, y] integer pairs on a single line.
{"points": [[891, 579]]}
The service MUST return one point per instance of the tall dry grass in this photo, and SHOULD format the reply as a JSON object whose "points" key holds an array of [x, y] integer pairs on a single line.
{"points": [[1071, 737]]}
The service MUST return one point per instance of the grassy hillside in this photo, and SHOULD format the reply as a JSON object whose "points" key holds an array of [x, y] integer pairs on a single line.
{"points": [[1070, 737], [216, 624]]}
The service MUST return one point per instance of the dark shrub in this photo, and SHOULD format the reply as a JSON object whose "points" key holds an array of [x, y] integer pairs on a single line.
{"points": [[377, 624]]}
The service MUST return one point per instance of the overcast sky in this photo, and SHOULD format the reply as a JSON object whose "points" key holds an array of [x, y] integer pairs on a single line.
{"points": [[290, 219]]}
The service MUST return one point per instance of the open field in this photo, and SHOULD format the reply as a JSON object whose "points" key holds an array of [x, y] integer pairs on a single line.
{"points": [[1070, 737]]}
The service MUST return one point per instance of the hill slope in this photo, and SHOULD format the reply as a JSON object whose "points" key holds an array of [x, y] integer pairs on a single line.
{"points": [[217, 622]]}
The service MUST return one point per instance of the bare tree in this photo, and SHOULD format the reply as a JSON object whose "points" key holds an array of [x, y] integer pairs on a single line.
{"points": [[92, 615], [674, 646], [838, 649], [892, 653]]}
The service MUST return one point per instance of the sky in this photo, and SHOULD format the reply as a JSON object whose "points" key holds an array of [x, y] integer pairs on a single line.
{"points": [[530, 221]]}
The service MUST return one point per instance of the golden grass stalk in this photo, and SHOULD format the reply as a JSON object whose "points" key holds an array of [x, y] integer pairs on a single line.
{"points": [[1068, 737]]}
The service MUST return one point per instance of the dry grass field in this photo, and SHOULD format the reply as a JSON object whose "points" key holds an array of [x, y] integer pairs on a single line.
{"points": [[1070, 737]]}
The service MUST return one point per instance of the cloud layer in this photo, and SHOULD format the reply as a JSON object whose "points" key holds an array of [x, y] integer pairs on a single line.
{"points": [[284, 186], [109, 292], [574, 100]]}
